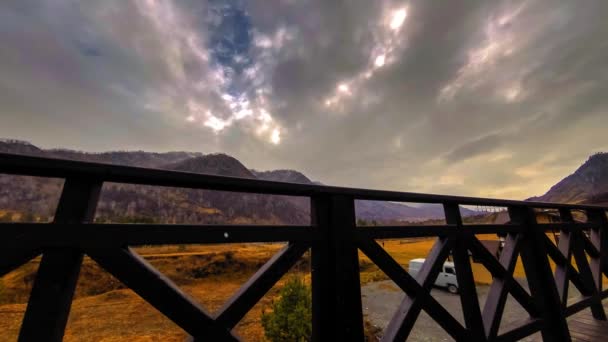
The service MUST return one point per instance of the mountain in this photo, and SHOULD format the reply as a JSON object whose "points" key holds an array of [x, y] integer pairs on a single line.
{"points": [[35, 196], [214, 164], [123, 202], [289, 176], [128, 158], [19, 147], [380, 211], [588, 184]]}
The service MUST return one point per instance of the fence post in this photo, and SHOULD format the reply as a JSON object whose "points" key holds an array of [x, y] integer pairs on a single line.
{"points": [[584, 269], [336, 290], [464, 274], [49, 304], [599, 239], [539, 275]]}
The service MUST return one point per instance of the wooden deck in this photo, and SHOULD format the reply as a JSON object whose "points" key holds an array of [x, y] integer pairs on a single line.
{"points": [[584, 328]]}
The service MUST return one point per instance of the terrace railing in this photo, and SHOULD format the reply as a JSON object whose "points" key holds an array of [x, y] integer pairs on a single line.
{"points": [[333, 239]]}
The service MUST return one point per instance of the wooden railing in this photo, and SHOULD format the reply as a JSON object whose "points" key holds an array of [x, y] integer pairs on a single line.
{"points": [[333, 239]]}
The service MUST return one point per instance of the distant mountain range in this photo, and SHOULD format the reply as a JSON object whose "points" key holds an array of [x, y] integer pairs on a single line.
{"points": [[588, 184], [128, 203]]}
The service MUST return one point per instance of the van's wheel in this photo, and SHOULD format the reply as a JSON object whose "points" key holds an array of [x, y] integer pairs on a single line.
{"points": [[452, 289]]}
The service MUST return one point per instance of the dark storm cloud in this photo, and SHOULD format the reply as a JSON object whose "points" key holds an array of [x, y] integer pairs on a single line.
{"points": [[479, 97]]}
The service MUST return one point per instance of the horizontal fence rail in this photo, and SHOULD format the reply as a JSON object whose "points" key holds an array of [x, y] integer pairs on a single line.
{"points": [[334, 241]]}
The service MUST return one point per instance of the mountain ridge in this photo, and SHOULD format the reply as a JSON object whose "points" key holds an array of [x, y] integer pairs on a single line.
{"points": [[127, 200], [587, 184]]}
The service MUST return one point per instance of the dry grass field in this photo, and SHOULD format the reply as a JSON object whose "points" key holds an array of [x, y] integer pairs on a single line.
{"points": [[104, 310], [403, 251]]}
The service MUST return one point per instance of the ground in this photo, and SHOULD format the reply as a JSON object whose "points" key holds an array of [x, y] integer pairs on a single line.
{"points": [[104, 310], [381, 299]]}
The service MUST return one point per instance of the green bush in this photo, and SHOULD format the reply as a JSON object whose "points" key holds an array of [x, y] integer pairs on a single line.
{"points": [[290, 319]]}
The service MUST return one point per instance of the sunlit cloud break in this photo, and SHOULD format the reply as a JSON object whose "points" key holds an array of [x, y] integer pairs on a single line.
{"points": [[389, 44]]}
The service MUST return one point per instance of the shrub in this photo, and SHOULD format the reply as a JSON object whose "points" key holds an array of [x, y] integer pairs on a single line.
{"points": [[290, 319]]}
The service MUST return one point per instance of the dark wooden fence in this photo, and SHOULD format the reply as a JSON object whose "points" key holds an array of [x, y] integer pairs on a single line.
{"points": [[334, 241]]}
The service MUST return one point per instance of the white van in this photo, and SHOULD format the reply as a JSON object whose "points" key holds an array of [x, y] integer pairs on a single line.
{"points": [[446, 277]]}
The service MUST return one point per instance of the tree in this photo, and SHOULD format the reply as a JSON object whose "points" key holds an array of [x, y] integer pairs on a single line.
{"points": [[290, 319]]}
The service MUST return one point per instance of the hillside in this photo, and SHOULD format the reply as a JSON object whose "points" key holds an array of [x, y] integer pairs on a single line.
{"points": [[37, 197], [588, 184], [214, 164], [369, 210], [128, 158], [289, 176], [126, 203]]}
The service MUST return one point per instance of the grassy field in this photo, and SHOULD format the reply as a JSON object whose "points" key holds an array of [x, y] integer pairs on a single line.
{"points": [[403, 251], [104, 310]]}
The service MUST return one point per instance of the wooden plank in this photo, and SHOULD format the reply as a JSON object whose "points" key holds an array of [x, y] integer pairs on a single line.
{"points": [[337, 309], [259, 284], [497, 295], [92, 235], [411, 288], [587, 278], [464, 274], [402, 323], [498, 271], [50, 301], [155, 288], [322, 284], [11, 259], [578, 304], [399, 232], [590, 247], [527, 328], [599, 239], [561, 268], [559, 259], [349, 310], [539, 276]]}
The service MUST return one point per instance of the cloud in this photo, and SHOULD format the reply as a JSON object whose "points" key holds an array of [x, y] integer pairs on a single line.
{"points": [[481, 145], [462, 97]]}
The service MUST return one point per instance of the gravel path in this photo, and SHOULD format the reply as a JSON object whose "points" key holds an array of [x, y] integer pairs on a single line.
{"points": [[381, 299]]}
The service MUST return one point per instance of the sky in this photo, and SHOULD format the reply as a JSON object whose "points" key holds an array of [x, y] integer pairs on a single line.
{"points": [[480, 98]]}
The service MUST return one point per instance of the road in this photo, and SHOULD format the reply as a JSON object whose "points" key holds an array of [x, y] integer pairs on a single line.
{"points": [[381, 299]]}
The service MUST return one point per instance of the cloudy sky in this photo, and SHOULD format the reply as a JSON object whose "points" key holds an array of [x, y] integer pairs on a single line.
{"points": [[483, 98]]}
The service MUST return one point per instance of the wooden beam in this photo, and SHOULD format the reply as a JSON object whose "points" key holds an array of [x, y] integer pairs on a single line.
{"points": [[115, 235], [528, 328], [49, 304], [539, 275], [497, 295], [411, 288], [599, 239], [336, 291], [500, 272], [562, 278], [464, 274], [259, 284], [554, 253], [402, 323], [155, 288], [10, 259]]}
